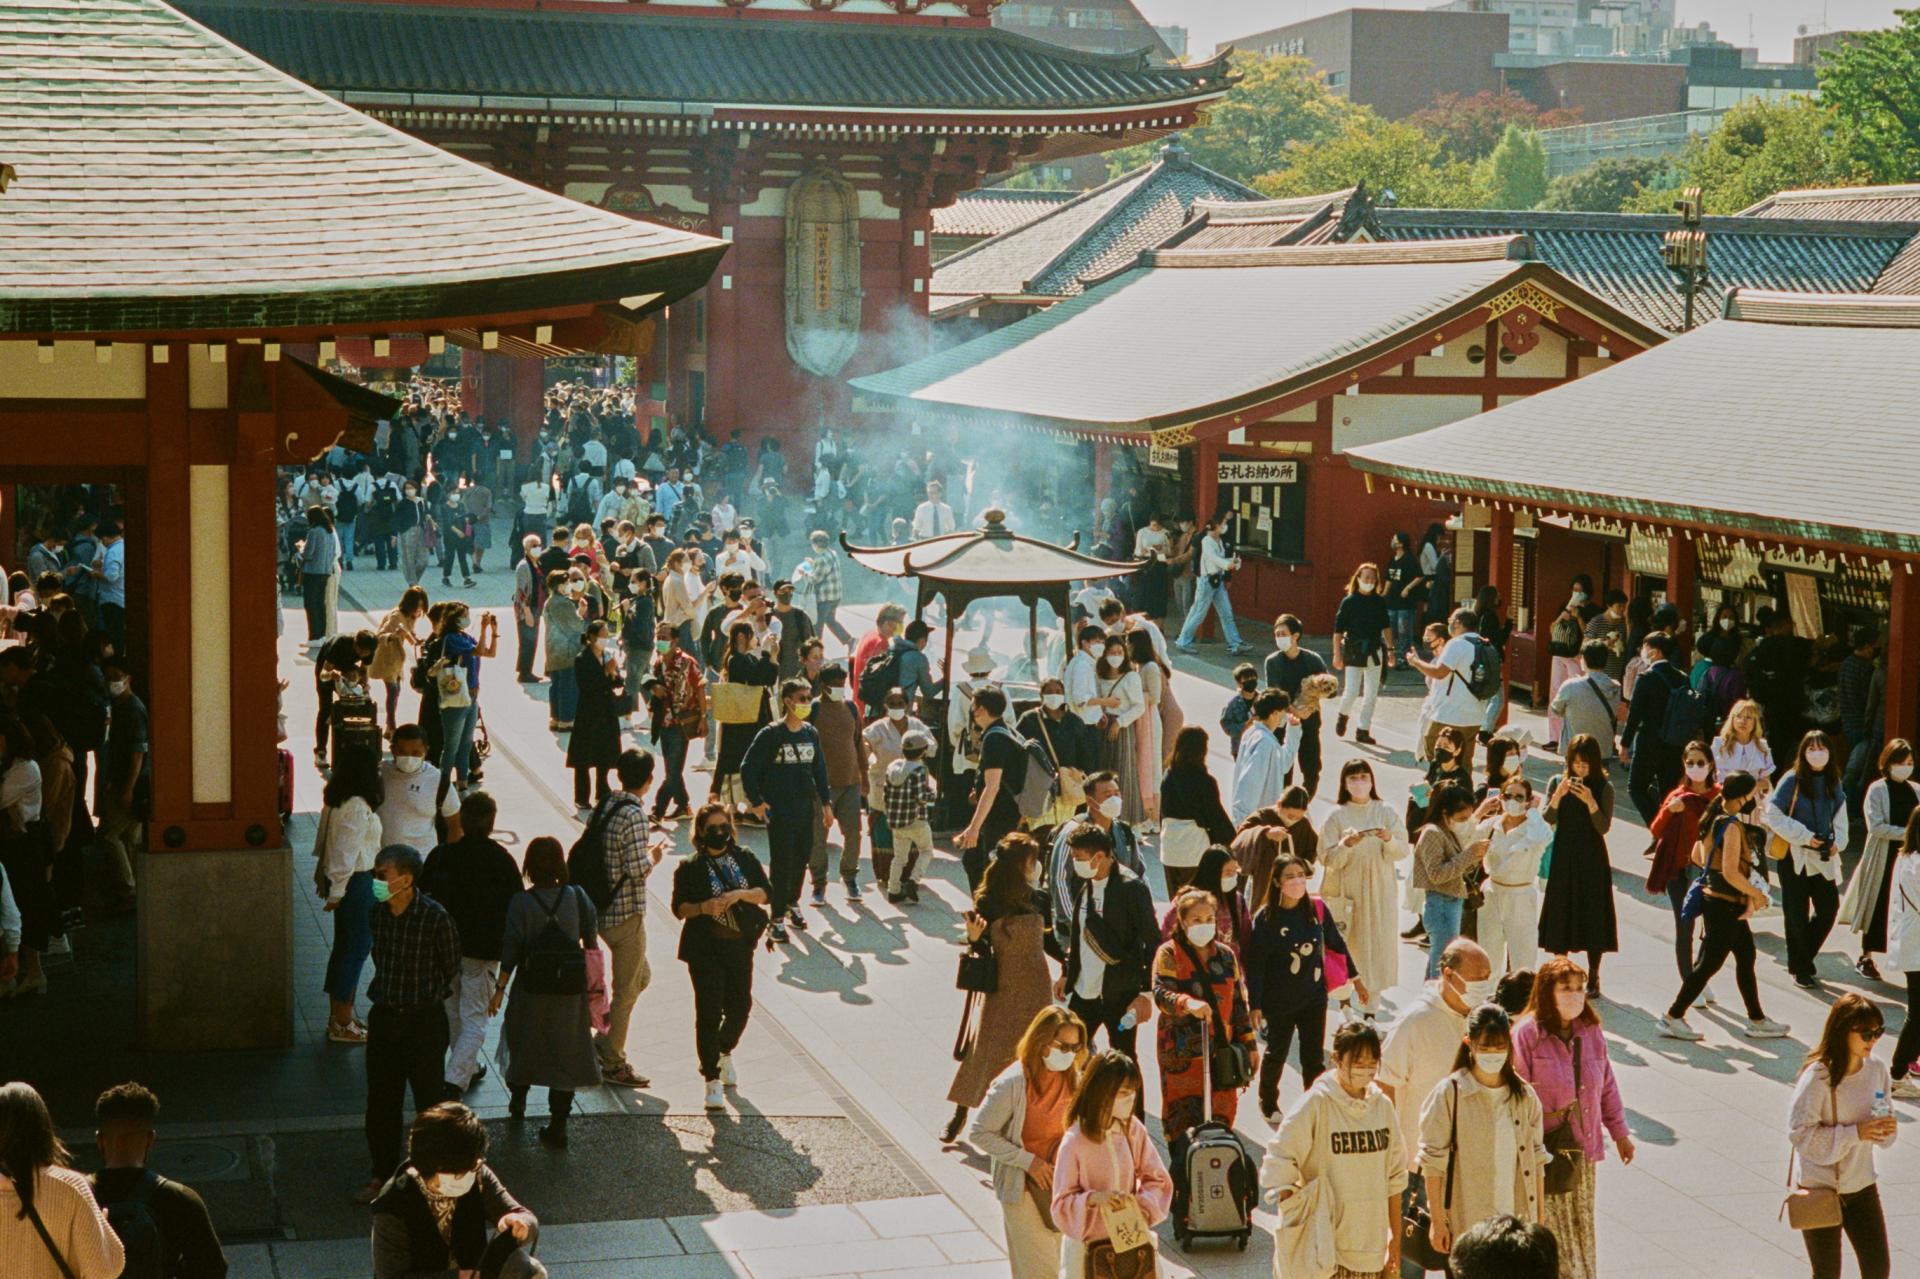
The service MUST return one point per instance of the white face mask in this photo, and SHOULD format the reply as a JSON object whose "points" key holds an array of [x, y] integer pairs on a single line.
{"points": [[1059, 1059], [1900, 772], [1229, 882], [452, 1185], [1698, 772], [841, 693], [1463, 831], [1726, 623], [1053, 701], [119, 687], [1110, 807], [1367, 586], [1514, 807], [1122, 1107], [1578, 597], [1359, 787], [409, 764], [1360, 1077], [1200, 934], [896, 713], [1480, 992], [1284, 643], [1490, 1063], [1084, 869], [1091, 650], [1817, 759]]}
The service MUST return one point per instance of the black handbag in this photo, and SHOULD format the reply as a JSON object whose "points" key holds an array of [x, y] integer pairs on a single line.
{"points": [[1416, 1226], [979, 968]]}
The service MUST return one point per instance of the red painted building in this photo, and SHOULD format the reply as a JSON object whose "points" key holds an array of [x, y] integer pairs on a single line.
{"points": [[818, 139]]}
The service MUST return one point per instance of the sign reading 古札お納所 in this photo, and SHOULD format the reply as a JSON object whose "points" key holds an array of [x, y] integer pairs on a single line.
{"points": [[1259, 472]]}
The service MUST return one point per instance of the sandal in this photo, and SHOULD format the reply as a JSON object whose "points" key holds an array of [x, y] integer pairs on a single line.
{"points": [[351, 1032]]}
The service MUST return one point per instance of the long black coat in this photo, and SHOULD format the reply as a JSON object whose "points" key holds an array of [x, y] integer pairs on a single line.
{"points": [[596, 721]]}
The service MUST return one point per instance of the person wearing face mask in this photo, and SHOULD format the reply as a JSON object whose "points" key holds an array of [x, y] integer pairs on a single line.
{"points": [[1730, 835], [1194, 818], [1363, 630], [997, 783], [1363, 842], [1808, 812], [1561, 1050], [1109, 939], [1287, 668], [416, 965], [1082, 674], [462, 650], [1106, 1160], [1577, 913], [1516, 835], [1019, 1130], [1445, 851], [1675, 830], [845, 749], [1480, 1134], [796, 628], [1068, 743], [433, 1215], [676, 714], [886, 737], [1267, 751], [721, 895], [1338, 1161], [1238, 712], [1221, 878], [1663, 704], [1009, 911], [1102, 811], [1295, 957], [1565, 636], [1199, 989], [908, 796], [564, 621], [784, 774], [1420, 1049], [595, 744], [1891, 800], [410, 786]]}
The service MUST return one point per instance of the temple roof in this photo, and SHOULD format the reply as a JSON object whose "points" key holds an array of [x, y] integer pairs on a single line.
{"points": [[1259, 224], [1860, 204], [654, 63], [1056, 254], [1779, 421], [996, 210], [992, 555], [167, 181]]}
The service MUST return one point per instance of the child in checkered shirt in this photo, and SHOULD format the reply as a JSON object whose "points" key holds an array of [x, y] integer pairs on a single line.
{"points": [[909, 796]]}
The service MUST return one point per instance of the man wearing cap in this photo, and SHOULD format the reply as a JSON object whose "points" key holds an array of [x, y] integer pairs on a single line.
{"points": [[796, 628]]}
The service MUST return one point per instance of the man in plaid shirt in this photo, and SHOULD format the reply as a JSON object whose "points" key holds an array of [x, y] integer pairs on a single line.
{"points": [[909, 797], [823, 573], [622, 817], [416, 964]]}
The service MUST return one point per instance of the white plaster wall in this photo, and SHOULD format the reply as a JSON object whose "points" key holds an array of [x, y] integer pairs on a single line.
{"points": [[1369, 419], [206, 381]]}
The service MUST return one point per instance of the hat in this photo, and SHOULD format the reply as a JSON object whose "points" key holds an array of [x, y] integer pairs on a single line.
{"points": [[979, 662], [918, 739]]}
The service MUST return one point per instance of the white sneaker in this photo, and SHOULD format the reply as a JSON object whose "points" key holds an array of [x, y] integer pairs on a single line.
{"points": [[727, 1076], [1763, 1028], [716, 1095], [1907, 1089], [1677, 1028]]}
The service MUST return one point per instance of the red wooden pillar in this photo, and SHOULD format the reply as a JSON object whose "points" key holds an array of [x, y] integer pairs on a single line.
{"points": [[163, 538], [1683, 587], [524, 404], [723, 331], [1206, 479], [1500, 576], [1903, 654]]}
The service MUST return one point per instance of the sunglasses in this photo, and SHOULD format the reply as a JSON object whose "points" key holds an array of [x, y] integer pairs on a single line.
{"points": [[1868, 1034]]}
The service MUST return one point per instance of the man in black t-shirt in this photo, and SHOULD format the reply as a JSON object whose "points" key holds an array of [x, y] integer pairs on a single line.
{"points": [[1288, 667], [1003, 767], [163, 1225]]}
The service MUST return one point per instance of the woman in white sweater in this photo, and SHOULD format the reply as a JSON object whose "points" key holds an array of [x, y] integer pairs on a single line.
{"points": [[1339, 1144], [1839, 1115], [34, 1179], [1360, 845], [345, 843], [1516, 836]]}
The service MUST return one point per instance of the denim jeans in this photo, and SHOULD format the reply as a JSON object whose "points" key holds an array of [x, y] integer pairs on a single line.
{"points": [[345, 529], [673, 759], [1209, 596], [1405, 625], [457, 724], [352, 937], [1441, 915], [563, 695]]}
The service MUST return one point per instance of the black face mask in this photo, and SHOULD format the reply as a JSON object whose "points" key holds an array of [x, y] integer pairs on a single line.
{"points": [[716, 837]]}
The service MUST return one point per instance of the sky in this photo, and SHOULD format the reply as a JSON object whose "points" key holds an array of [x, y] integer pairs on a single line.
{"points": [[1773, 22]]}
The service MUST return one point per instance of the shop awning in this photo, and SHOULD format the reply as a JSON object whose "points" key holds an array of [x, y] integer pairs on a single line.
{"points": [[1791, 419]]}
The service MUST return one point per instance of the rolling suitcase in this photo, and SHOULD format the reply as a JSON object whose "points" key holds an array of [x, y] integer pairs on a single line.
{"points": [[1215, 1177], [355, 728]]}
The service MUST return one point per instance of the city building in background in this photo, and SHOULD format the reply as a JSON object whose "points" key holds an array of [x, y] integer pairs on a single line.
{"points": [[1092, 26]]}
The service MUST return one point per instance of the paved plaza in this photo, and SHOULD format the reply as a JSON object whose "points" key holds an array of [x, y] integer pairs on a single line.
{"points": [[828, 1162]]}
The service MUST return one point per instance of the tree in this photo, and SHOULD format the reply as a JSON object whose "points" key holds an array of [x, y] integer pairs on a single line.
{"points": [[1389, 156], [1469, 127], [1515, 174], [1872, 85], [1036, 177], [1759, 149], [1279, 103], [1605, 186]]}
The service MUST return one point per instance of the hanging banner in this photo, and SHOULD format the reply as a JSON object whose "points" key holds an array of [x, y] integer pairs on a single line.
{"points": [[1160, 455], [1259, 472]]}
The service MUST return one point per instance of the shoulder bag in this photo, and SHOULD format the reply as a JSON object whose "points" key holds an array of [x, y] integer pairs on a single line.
{"points": [[1777, 846], [1231, 1068], [1127, 1252], [40, 1228], [1810, 1207], [969, 1025], [737, 703], [450, 681], [979, 967], [1416, 1226]]}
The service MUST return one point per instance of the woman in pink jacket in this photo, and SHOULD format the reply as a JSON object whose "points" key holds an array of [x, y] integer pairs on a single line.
{"points": [[1106, 1156], [1560, 1050]]}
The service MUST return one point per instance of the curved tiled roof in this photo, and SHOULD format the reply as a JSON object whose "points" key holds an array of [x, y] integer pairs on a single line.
{"points": [[166, 180], [644, 62], [1860, 204], [996, 210]]}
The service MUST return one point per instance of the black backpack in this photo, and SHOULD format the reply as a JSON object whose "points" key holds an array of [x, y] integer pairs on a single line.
{"points": [[1033, 789], [587, 859], [579, 501], [1689, 714], [554, 963], [133, 1221], [880, 676], [1483, 676]]}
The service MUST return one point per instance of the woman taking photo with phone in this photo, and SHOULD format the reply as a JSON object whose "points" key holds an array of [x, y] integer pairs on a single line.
{"points": [[1578, 913]]}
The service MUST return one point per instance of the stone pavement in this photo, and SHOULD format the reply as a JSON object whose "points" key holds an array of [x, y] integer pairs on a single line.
{"points": [[851, 1030]]}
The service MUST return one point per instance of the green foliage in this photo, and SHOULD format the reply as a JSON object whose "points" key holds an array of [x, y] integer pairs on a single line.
{"points": [[1469, 127], [1279, 103], [1760, 148], [1036, 177], [1515, 175], [1605, 186], [1387, 155], [1872, 86]]}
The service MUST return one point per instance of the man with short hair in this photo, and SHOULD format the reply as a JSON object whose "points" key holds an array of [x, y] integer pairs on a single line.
{"points": [[416, 965], [796, 628], [1420, 1049], [1082, 673], [1115, 620], [1267, 751], [125, 766], [163, 1226], [821, 570], [631, 855], [785, 775], [1653, 763], [342, 659], [1450, 699], [1238, 712], [1504, 1247], [1589, 702], [1002, 771], [475, 879], [1101, 811], [1110, 940], [845, 751], [110, 571], [886, 624], [1609, 626], [933, 517], [410, 784], [529, 597]]}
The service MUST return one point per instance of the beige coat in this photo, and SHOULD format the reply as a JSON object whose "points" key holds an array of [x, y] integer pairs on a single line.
{"points": [[1478, 1149]]}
